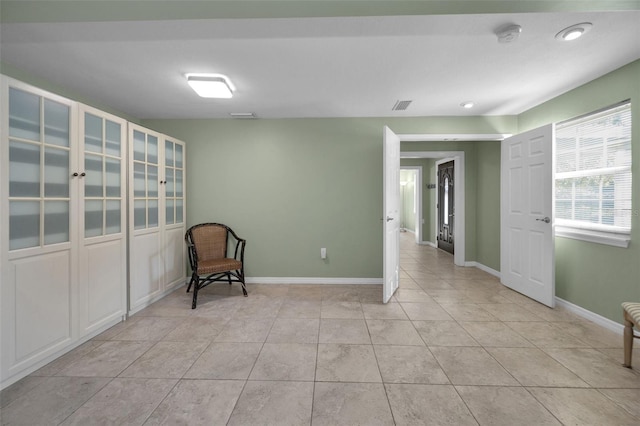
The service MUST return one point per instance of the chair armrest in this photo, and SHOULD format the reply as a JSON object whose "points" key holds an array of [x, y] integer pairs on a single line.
{"points": [[239, 245]]}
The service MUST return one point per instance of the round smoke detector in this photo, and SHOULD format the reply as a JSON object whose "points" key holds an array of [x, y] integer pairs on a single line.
{"points": [[509, 34]]}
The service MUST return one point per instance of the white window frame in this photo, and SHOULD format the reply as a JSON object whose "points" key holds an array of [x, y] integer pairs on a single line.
{"points": [[597, 233]]}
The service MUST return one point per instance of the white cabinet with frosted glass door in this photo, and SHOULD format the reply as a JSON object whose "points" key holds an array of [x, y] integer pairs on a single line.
{"points": [[102, 226], [156, 219], [60, 283]]}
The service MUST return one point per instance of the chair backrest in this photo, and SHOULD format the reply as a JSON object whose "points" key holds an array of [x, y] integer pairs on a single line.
{"points": [[210, 241]]}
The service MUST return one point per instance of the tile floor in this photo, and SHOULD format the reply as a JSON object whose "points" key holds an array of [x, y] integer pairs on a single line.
{"points": [[453, 347]]}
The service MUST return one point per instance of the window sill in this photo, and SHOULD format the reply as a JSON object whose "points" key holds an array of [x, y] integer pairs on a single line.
{"points": [[599, 237]]}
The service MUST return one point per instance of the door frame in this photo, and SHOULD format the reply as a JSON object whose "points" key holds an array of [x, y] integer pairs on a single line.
{"points": [[418, 199], [459, 219]]}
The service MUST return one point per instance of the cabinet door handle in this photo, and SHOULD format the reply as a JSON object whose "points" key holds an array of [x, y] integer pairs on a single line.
{"points": [[75, 174], [83, 174]]}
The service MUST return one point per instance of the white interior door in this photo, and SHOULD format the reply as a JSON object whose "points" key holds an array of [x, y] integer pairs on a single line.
{"points": [[527, 263], [391, 220]]}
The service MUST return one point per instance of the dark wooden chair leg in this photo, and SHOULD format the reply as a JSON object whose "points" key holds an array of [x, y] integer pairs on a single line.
{"points": [[241, 278], [194, 278]]}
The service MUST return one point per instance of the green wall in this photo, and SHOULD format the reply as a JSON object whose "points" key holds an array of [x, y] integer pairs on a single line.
{"points": [[488, 204], [595, 276], [292, 186]]}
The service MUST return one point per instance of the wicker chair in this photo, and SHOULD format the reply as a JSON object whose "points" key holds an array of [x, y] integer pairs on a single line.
{"points": [[207, 245], [631, 313]]}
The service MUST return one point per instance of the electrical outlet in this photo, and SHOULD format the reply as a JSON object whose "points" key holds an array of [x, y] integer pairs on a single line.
{"points": [[323, 253]]}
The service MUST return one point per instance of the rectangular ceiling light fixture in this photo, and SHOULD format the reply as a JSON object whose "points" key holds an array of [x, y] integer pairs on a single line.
{"points": [[211, 85]]}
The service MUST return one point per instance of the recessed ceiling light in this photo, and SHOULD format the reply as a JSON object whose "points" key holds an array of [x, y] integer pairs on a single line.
{"points": [[573, 32], [467, 105], [211, 85]]}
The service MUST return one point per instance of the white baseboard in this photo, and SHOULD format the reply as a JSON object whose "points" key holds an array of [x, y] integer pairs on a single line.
{"points": [[483, 268], [311, 280], [592, 316], [428, 243]]}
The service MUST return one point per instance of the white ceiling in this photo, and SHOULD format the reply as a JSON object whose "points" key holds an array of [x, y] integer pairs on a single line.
{"points": [[324, 67]]}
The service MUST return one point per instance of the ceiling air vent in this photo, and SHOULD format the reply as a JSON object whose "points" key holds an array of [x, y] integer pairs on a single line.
{"points": [[401, 105], [242, 115]]}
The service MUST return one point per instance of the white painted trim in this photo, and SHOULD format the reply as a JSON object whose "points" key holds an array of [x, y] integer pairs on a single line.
{"points": [[428, 243], [150, 301], [435, 137], [459, 195], [592, 316], [418, 187], [599, 237], [484, 268], [311, 280]]}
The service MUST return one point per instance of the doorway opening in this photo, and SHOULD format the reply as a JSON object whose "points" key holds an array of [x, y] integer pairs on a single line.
{"points": [[411, 201]]}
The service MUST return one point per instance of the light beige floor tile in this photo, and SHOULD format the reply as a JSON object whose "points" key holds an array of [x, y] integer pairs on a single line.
{"points": [[344, 310], [596, 368], [107, 360], [197, 328], [393, 332], [122, 401], [344, 331], [300, 308], [617, 355], [350, 404], [508, 406], [582, 407], [429, 284], [592, 334], [67, 359], [408, 284], [52, 401], [625, 398], [225, 361], [383, 311], [495, 334], [408, 364], [418, 405], [149, 328], [419, 296], [198, 402], [294, 330], [510, 312], [471, 366], [245, 330], [550, 314], [546, 335], [444, 333], [258, 308], [425, 311], [18, 389], [166, 360], [340, 293], [286, 361], [311, 293], [274, 403], [371, 295], [346, 363], [533, 367], [483, 297], [110, 333], [468, 312], [167, 310], [448, 296]]}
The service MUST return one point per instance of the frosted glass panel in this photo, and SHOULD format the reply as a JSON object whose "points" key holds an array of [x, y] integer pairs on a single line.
{"points": [[168, 153], [93, 178], [24, 224], [152, 149], [179, 156], [139, 214], [56, 123], [112, 218], [113, 144], [24, 115], [179, 211], [24, 169], [170, 183], [152, 207], [179, 184], [92, 133], [92, 218], [138, 145], [56, 222], [56, 173], [152, 181], [112, 174], [138, 180], [169, 213]]}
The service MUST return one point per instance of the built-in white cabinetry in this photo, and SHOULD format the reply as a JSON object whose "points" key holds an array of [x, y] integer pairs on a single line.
{"points": [[156, 216], [62, 228], [88, 202]]}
